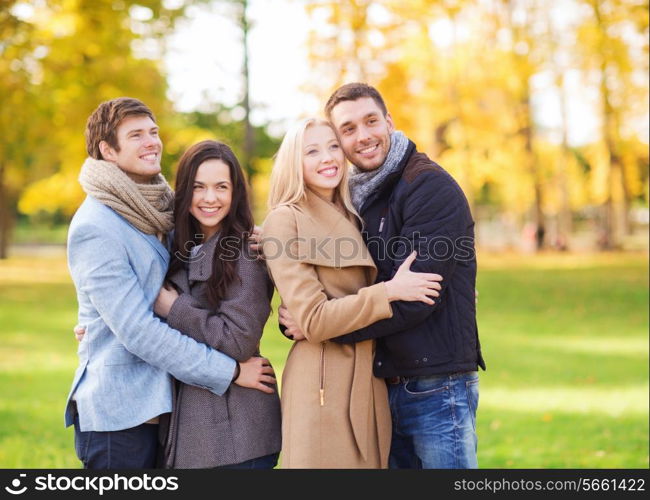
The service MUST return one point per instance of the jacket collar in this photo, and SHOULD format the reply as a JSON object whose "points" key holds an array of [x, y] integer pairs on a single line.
{"points": [[326, 237], [157, 244], [200, 266], [153, 240]]}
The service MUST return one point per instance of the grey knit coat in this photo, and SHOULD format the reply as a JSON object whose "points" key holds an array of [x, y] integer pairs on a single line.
{"points": [[205, 430]]}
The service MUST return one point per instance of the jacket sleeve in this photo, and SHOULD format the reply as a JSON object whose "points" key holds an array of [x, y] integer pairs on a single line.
{"points": [[303, 294], [101, 269], [235, 326], [435, 223]]}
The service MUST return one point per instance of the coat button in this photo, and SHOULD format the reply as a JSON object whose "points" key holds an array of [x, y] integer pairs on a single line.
{"points": [[417, 361], [378, 363], [425, 359]]}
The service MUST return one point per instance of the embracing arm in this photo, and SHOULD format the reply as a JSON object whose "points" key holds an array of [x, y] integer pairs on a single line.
{"points": [[303, 294], [235, 326], [101, 269], [437, 224]]}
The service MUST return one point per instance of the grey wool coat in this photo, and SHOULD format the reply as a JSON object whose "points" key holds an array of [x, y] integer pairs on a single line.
{"points": [[205, 430]]}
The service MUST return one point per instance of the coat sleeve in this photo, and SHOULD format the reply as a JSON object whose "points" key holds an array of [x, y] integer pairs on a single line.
{"points": [[235, 326], [437, 224], [320, 318], [101, 269]]}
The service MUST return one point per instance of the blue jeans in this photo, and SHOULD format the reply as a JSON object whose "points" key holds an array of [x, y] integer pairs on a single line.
{"points": [[133, 448], [434, 422], [265, 462]]}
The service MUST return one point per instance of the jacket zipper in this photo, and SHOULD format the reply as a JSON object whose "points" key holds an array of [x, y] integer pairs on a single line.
{"points": [[322, 375]]}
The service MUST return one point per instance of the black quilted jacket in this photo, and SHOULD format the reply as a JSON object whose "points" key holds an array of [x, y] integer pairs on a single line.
{"points": [[422, 207]]}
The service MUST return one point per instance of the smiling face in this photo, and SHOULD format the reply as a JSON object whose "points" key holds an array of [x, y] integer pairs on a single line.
{"points": [[212, 196], [322, 160], [364, 132], [139, 147]]}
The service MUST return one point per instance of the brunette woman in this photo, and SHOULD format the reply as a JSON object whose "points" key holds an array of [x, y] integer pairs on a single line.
{"points": [[219, 295]]}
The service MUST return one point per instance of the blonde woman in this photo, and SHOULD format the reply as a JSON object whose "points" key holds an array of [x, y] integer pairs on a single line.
{"points": [[335, 412]]}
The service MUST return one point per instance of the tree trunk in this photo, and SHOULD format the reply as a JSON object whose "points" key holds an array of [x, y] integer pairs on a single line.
{"points": [[564, 227], [616, 204], [467, 162], [616, 221], [565, 220], [249, 133], [526, 124], [540, 233], [6, 215], [538, 209]]}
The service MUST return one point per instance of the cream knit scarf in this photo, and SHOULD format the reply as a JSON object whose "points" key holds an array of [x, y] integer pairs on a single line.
{"points": [[148, 207]]}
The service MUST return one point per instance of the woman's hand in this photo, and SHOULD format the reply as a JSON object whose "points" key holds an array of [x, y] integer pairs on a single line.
{"points": [[166, 298], [256, 373], [410, 286]]}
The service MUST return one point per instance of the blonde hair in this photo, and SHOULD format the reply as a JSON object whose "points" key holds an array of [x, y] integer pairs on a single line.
{"points": [[287, 184]]}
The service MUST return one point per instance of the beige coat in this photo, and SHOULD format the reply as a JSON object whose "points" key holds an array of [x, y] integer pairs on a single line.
{"points": [[335, 413]]}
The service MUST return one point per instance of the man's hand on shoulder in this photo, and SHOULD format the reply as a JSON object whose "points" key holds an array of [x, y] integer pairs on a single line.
{"points": [[255, 242], [291, 329], [79, 332]]}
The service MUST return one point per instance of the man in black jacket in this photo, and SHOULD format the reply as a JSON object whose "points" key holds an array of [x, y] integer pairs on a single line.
{"points": [[428, 354]]}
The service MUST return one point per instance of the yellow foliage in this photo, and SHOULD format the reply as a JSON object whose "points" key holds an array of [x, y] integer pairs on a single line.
{"points": [[260, 188], [60, 191], [456, 76], [183, 138], [459, 79], [598, 157]]}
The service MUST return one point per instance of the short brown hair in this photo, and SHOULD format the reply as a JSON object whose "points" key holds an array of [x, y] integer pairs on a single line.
{"points": [[103, 122], [352, 92]]}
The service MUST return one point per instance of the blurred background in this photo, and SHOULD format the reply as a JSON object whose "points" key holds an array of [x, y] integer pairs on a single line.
{"points": [[538, 108]]}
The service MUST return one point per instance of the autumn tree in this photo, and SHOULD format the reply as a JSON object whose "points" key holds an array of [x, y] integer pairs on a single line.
{"points": [[58, 60], [614, 54], [17, 104], [462, 79]]}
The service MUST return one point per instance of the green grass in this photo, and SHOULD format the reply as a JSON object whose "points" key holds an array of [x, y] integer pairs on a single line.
{"points": [[34, 234], [565, 338]]}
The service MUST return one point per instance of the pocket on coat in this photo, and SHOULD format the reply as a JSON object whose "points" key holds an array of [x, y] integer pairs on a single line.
{"points": [[414, 350]]}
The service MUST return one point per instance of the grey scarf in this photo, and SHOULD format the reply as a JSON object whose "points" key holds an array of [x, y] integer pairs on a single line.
{"points": [[363, 183]]}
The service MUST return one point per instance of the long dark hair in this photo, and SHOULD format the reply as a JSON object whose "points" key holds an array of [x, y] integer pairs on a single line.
{"points": [[235, 227]]}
